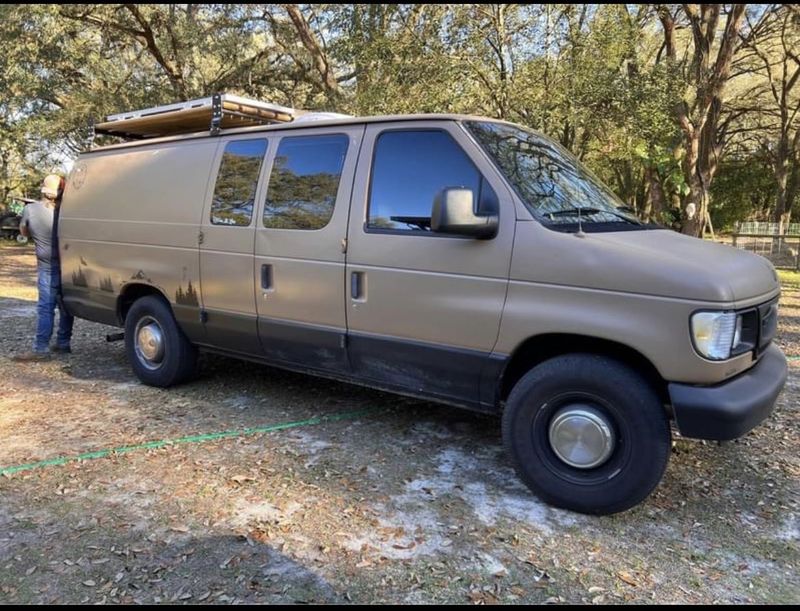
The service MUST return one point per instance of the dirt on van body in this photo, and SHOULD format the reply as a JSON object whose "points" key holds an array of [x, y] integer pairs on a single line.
{"points": [[405, 502]]}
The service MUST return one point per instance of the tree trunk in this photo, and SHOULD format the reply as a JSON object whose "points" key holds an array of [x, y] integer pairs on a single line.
{"points": [[318, 55], [4, 177], [699, 119], [698, 196], [693, 224], [781, 169], [781, 188], [655, 195]]}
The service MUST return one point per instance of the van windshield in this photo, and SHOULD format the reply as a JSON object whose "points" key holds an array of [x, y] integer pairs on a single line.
{"points": [[554, 186]]}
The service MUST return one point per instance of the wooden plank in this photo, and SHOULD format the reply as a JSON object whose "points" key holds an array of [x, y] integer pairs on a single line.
{"points": [[183, 119], [202, 103]]}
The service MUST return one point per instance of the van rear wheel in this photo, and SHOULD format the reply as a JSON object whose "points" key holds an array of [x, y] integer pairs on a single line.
{"points": [[587, 433], [157, 349]]}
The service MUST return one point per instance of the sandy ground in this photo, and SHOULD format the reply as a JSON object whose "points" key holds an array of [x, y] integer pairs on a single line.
{"points": [[409, 502]]}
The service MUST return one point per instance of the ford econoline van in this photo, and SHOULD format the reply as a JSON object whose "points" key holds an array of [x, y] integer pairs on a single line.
{"points": [[459, 259]]}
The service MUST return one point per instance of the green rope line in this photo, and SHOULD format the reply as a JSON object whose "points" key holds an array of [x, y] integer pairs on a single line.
{"points": [[150, 445], [162, 443]]}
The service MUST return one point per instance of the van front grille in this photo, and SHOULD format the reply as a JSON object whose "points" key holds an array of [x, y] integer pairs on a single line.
{"points": [[768, 324]]}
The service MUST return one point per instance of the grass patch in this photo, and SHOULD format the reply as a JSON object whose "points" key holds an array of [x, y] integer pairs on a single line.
{"points": [[789, 279]]}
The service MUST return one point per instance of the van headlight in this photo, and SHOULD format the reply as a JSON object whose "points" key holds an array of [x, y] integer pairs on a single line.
{"points": [[715, 333]]}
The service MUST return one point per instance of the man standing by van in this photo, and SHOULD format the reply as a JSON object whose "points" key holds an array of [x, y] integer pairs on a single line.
{"points": [[39, 221]]}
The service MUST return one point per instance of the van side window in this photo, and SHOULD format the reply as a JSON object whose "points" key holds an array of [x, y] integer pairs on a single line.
{"points": [[304, 181], [409, 169], [235, 191]]}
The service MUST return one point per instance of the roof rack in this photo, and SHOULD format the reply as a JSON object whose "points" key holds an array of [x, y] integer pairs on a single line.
{"points": [[220, 111]]}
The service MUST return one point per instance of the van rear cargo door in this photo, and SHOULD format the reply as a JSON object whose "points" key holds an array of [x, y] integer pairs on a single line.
{"points": [[226, 240]]}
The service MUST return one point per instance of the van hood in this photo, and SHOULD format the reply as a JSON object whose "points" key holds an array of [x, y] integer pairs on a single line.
{"points": [[654, 262]]}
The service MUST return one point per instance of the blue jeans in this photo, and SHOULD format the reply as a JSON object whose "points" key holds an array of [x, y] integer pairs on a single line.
{"points": [[49, 285]]}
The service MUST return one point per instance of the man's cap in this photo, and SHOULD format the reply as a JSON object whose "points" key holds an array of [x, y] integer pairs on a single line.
{"points": [[52, 186]]}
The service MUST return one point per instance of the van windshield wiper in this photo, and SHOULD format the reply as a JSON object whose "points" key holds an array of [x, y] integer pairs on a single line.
{"points": [[421, 222], [580, 210]]}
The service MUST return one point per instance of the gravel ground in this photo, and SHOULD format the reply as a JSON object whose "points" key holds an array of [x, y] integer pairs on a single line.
{"points": [[407, 502]]}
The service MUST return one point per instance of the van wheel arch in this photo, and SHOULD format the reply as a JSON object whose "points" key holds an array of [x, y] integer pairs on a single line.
{"points": [[538, 349], [131, 293]]}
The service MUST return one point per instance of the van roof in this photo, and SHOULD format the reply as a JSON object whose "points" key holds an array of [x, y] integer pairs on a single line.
{"points": [[294, 125]]}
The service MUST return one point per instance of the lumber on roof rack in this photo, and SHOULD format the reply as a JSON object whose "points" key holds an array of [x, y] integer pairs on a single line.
{"points": [[220, 111]]}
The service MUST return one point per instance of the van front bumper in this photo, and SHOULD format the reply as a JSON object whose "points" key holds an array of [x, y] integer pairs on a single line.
{"points": [[733, 408]]}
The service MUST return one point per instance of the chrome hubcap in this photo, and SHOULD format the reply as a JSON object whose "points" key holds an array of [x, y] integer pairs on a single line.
{"points": [[582, 436], [149, 342]]}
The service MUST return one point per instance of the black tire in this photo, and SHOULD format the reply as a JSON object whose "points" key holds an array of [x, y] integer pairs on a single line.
{"points": [[178, 360], [623, 398]]}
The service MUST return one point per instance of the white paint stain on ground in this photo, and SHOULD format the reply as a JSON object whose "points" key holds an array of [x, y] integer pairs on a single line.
{"points": [[401, 535], [309, 446], [790, 531], [490, 564], [240, 402], [246, 513], [26, 311], [492, 493], [123, 386], [430, 429]]}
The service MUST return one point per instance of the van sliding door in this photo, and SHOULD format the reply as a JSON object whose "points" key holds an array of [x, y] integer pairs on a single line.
{"points": [[300, 247]]}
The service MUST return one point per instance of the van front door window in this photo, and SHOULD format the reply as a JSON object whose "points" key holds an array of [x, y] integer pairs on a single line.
{"points": [[410, 168]]}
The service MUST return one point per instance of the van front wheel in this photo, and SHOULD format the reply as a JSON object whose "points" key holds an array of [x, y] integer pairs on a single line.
{"points": [[157, 349], [587, 433]]}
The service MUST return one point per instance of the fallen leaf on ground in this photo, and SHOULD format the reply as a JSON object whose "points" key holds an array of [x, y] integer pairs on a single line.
{"points": [[623, 576]]}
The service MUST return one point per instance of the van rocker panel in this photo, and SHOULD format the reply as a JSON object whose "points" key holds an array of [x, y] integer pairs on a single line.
{"points": [[464, 376], [314, 346], [91, 304]]}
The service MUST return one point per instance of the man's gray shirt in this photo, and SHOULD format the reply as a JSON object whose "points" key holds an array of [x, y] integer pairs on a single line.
{"points": [[38, 218]]}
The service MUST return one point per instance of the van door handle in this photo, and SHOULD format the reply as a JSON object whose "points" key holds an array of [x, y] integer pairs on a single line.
{"points": [[357, 286], [266, 277]]}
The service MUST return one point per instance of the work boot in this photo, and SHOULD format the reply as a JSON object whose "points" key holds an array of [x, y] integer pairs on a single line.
{"points": [[31, 357], [60, 349]]}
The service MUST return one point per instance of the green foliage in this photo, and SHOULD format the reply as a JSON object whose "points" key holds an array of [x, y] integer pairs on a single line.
{"points": [[742, 191], [789, 279], [594, 77]]}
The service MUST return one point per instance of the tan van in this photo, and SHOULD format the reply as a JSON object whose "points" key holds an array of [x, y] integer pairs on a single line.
{"points": [[459, 259]]}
